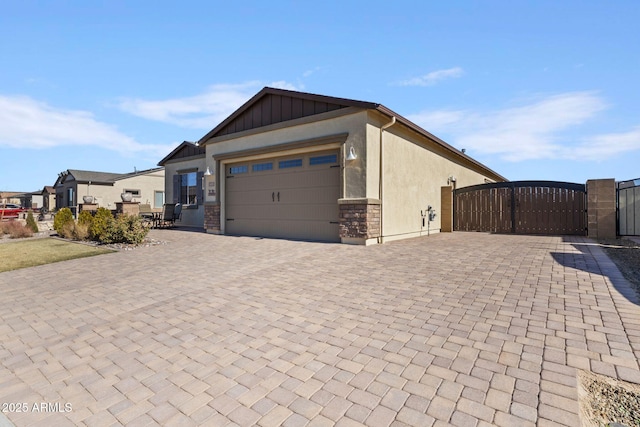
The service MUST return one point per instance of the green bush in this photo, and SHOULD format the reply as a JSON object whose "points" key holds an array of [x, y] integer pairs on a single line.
{"points": [[31, 222], [101, 221], [125, 229], [67, 230], [81, 231], [85, 218], [64, 216]]}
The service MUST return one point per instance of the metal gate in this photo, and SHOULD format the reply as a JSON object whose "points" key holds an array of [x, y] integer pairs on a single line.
{"points": [[629, 208], [521, 207]]}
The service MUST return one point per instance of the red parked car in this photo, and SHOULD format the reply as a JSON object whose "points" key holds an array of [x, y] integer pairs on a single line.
{"points": [[10, 210]]}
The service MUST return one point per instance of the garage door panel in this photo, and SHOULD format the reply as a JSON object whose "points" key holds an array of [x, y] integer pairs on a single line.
{"points": [[307, 206]]}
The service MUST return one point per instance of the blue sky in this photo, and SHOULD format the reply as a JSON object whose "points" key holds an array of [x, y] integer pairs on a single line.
{"points": [[533, 89]]}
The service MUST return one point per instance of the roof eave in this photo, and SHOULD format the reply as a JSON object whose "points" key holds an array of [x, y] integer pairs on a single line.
{"points": [[386, 111]]}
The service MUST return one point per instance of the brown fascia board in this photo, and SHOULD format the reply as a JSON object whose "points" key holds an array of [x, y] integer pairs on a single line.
{"points": [[386, 111], [284, 92]]}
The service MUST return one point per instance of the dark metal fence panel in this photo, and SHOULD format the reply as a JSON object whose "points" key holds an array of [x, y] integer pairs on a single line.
{"points": [[522, 207], [629, 211]]}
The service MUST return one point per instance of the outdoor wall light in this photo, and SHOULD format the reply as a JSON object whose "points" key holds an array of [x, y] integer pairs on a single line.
{"points": [[208, 172], [451, 179], [352, 154]]}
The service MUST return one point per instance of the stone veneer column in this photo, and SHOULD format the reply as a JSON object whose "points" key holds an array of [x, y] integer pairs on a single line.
{"points": [[212, 218], [359, 220], [601, 208]]}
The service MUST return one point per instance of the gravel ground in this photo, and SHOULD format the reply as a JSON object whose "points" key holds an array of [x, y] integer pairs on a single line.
{"points": [[625, 253], [603, 400]]}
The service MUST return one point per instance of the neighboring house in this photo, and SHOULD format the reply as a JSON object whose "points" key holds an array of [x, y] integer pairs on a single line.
{"points": [[35, 200], [147, 186], [49, 197], [184, 172], [10, 197], [302, 166], [31, 200]]}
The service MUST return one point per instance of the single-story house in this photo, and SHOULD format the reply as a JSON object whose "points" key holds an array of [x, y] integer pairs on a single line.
{"points": [[146, 186], [295, 165], [184, 179], [10, 197], [44, 198]]}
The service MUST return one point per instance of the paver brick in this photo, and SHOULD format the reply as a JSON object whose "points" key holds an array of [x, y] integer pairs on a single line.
{"points": [[239, 340]]}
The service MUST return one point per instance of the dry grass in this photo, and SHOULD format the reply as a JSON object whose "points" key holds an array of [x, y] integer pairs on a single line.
{"points": [[15, 229], [29, 253]]}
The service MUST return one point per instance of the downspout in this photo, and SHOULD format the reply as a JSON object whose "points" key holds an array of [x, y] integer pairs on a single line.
{"points": [[380, 177]]}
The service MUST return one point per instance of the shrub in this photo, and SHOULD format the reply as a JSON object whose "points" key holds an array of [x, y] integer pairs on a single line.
{"points": [[66, 231], [31, 222], [100, 223], [63, 217], [81, 231], [16, 230], [125, 229], [85, 218]]}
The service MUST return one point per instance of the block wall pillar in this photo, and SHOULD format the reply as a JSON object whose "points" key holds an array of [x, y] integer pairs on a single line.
{"points": [[601, 208]]}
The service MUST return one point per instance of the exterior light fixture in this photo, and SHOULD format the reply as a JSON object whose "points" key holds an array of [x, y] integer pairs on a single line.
{"points": [[208, 172], [352, 154]]}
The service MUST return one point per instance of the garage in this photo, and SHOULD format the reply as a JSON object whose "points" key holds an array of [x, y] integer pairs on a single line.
{"points": [[292, 197]]}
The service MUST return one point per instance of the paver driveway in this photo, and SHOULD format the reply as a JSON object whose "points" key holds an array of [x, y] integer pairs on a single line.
{"points": [[463, 329]]}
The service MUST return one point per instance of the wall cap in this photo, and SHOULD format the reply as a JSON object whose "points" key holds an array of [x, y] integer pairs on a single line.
{"points": [[359, 201]]}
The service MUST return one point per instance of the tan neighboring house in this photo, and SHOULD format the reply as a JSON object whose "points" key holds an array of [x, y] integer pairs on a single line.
{"points": [[184, 179], [10, 197], [296, 165], [147, 186]]}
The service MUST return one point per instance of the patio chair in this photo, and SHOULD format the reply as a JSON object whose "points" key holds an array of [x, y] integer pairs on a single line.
{"points": [[146, 214], [167, 219], [177, 213]]}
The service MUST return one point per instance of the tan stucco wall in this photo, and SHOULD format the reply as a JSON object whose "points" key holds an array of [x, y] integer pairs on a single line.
{"points": [[415, 168], [192, 216], [414, 171], [107, 196]]}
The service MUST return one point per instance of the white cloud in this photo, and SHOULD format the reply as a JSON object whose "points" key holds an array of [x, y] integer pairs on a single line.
{"points": [[432, 78], [536, 130], [600, 147], [203, 111], [27, 123]]}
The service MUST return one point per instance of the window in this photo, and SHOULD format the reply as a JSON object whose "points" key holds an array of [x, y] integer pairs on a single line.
{"points": [[136, 193], [188, 188], [321, 160], [69, 196], [158, 199], [283, 164], [262, 167], [233, 170]]}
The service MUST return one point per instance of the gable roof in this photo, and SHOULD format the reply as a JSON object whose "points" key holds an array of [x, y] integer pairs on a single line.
{"points": [[106, 178], [184, 150], [272, 105]]}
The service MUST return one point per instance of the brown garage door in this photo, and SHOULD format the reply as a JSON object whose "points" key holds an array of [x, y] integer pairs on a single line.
{"points": [[294, 197]]}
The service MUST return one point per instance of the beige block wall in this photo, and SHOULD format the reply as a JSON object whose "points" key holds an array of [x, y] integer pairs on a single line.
{"points": [[601, 208]]}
